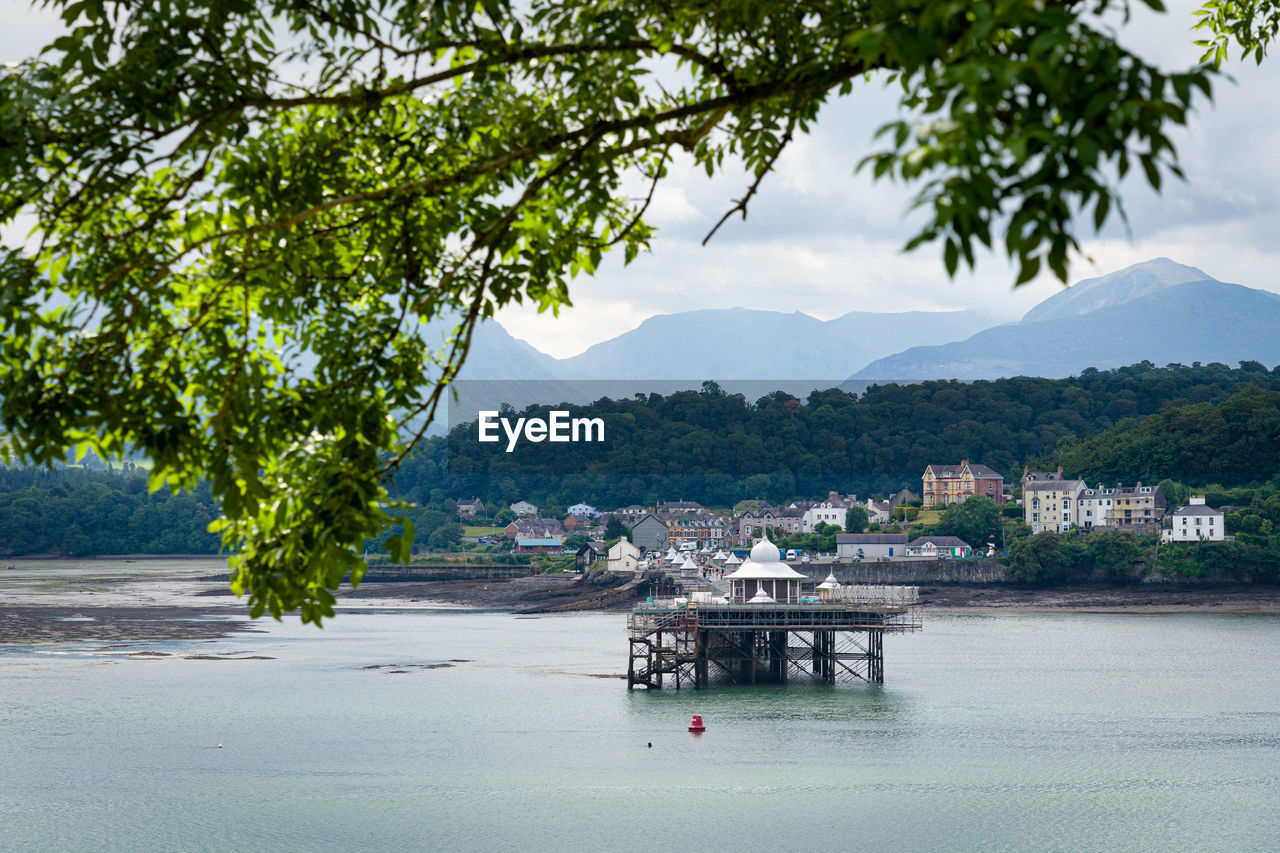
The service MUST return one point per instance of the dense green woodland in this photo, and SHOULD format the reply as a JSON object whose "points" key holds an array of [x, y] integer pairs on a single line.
{"points": [[1212, 428], [77, 512], [1199, 425]]}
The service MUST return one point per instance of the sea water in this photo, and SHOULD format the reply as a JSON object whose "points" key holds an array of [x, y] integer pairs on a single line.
{"points": [[991, 732]]}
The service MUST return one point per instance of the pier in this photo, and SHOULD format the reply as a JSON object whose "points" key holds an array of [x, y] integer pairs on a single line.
{"points": [[686, 643]]}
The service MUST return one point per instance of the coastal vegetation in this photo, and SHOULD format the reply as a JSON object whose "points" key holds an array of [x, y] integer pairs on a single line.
{"points": [[244, 217], [1206, 429]]}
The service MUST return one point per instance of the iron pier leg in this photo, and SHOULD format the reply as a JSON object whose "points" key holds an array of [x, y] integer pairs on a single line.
{"points": [[700, 674]]}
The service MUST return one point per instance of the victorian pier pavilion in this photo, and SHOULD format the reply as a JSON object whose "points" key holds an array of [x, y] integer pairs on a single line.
{"points": [[768, 629]]}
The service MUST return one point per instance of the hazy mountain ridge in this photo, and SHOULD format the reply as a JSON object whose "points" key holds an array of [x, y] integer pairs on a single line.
{"points": [[1115, 288], [1158, 310], [726, 343], [1141, 319]]}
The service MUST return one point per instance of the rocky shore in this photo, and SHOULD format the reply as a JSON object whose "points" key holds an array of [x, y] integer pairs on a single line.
{"points": [[203, 610]]}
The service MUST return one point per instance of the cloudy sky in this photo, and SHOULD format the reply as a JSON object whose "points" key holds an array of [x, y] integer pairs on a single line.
{"points": [[822, 240]]}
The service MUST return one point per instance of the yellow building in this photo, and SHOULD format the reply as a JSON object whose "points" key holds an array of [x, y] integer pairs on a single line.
{"points": [[1051, 505], [949, 484]]}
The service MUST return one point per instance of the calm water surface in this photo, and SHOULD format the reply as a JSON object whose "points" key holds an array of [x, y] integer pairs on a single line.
{"points": [[1011, 732]]}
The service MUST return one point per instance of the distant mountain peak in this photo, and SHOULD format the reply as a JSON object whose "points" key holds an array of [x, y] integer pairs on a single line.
{"points": [[1117, 288]]}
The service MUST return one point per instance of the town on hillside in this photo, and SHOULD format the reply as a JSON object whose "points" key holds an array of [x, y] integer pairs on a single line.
{"points": [[964, 511]]}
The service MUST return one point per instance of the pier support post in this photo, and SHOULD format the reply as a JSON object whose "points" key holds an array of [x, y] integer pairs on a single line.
{"points": [[701, 676], [875, 656], [778, 656]]}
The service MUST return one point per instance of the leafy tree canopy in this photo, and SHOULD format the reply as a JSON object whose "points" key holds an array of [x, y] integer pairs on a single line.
{"points": [[855, 519], [976, 521], [246, 213]]}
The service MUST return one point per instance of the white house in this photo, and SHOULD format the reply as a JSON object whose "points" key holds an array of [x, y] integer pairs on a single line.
{"points": [[1120, 506], [624, 557], [829, 511], [523, 508], [583, 511], [1096, 508], [1196, 523]]}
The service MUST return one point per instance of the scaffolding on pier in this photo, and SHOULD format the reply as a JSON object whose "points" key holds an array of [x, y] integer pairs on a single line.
{"points": [[697, 644]]}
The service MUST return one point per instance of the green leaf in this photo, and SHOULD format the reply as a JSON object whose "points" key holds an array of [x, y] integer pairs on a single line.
{"points": [[1028, 269]]}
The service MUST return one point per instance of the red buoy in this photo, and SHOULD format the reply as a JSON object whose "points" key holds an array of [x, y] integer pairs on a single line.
{"points": [[696, 724]]}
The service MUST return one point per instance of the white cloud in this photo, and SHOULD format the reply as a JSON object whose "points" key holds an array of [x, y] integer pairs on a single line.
{"points": [[825, 241]]}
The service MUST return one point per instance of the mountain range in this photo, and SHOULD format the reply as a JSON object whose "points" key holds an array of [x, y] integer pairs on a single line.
{"points": [[1159, 311], [722, 343]]}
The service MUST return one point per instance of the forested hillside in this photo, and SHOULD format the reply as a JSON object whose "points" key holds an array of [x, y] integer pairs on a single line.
{"points": [[77, 512], [1196, 425], [718, 448]]}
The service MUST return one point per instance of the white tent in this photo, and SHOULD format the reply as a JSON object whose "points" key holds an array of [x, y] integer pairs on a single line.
{"points": [[719, 557]]}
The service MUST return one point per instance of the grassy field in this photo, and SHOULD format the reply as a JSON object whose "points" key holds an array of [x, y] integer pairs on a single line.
{"points": [[471, 530], [929, 516]]}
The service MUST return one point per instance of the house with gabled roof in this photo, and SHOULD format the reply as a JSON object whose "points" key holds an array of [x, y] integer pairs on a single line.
{"points": [[470, 507], [830, 510], [949, 484], [1051, 505], [878, 512], [650, 533], [1195, 522], [524, 508]]}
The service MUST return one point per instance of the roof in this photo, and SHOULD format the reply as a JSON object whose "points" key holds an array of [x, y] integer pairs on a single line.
{"points": [[538, 543], [679, 505], [765, 563], [871, 539], [1053, 486], [1198, 509], [952, 471], [940, 541]]}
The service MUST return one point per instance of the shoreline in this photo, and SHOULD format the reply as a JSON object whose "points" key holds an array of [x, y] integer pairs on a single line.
{"points": [[209, 611]]}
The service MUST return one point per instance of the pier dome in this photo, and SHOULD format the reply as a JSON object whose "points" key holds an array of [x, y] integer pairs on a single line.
{"points": [[765, 570]]}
